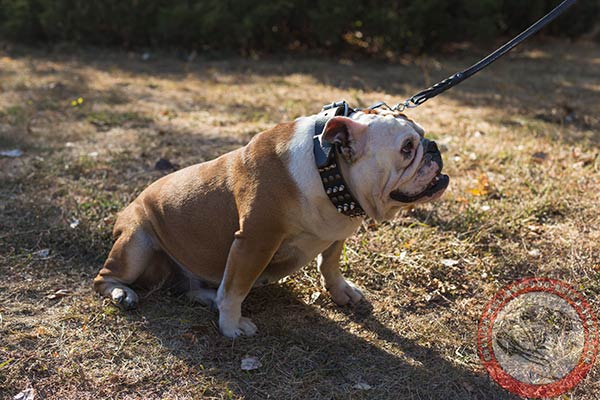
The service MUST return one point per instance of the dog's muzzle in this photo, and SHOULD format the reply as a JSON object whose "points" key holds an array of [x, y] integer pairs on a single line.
{"points": [[438, 184]]}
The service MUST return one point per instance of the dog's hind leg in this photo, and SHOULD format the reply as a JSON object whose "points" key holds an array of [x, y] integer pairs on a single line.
{"points": [[204, 296], [132, 256]]}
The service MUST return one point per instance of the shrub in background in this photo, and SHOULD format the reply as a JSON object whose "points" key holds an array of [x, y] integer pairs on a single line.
{"points": [[368, 26]]}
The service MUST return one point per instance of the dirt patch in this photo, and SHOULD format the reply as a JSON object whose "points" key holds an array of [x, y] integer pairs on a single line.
{"points": [[520, 142]]}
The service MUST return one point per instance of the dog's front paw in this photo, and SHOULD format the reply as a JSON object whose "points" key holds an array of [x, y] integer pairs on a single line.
{"points": [[233, 329], [345, 292]]}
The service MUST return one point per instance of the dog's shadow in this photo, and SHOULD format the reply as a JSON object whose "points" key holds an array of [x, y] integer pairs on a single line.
{"points": [[304, 354]]}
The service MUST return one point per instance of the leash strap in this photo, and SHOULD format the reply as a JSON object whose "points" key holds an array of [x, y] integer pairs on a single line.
{"points": [[457, 78]]}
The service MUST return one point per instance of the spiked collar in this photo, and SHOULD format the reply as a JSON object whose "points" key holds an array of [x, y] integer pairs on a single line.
{"points": [[326, 158]]}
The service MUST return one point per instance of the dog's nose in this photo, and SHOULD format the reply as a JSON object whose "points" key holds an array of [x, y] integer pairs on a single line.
{"points": [[429, 146], [430, 149], [433, 148]]}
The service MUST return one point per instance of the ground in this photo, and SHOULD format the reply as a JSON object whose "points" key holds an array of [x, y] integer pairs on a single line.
{"points": [[521, 145]]}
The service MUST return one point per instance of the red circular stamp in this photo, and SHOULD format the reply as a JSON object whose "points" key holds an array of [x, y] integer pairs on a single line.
{"points": [[538, 337]]}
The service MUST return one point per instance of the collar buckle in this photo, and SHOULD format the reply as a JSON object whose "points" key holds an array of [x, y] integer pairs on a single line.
{"points": [[337, 104]]}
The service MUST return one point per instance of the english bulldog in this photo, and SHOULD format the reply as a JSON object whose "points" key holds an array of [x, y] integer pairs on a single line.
{"points": [[259, 213]]}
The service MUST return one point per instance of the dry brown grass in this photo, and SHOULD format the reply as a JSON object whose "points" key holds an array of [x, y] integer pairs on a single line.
{"points": [[521, 143]]}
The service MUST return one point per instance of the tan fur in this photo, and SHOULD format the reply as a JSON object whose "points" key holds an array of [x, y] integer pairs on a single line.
{"points": [[370, 111], [193, 214]]}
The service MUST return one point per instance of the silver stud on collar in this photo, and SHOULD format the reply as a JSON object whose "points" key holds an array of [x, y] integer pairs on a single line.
{"points": [[341, 188]]}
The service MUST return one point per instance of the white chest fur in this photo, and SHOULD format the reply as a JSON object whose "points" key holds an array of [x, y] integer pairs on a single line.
{"points": [[319, 217]]}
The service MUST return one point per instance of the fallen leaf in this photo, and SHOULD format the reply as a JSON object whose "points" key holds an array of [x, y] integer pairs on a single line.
{"points": [[163, 164], [11, 153], [534, 253], [362, 386], [59, 294], [314, 297], [482, 188], [43, 253], [27, 394], [250, 364], [448, 262], [539, 156]]}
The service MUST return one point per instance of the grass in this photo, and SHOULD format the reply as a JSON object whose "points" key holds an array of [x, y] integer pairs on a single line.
{"points": [[521, 145]]}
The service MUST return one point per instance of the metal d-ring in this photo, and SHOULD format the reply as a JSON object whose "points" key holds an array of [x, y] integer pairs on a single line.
{"points": [[408, 103]]}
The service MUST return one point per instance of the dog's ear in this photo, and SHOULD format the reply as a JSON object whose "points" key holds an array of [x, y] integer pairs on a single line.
{"points": [[347, 134], [412, 123], [417, 128]]}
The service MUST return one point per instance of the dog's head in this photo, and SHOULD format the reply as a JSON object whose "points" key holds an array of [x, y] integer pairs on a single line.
{"points": [[387, 162]]}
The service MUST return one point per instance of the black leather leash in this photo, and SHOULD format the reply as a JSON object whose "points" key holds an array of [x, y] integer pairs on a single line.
{"points": [[326, 154], [457, 78]]}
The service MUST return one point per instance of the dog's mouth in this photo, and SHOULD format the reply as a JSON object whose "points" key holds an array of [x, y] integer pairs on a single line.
{"points": [[437, 185]]}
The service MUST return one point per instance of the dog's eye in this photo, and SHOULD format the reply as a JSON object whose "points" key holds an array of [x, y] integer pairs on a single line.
{"points": [[407, 148]]}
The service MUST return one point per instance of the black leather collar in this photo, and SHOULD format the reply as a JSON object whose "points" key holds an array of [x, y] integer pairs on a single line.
{"points": [[326, 158]]}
